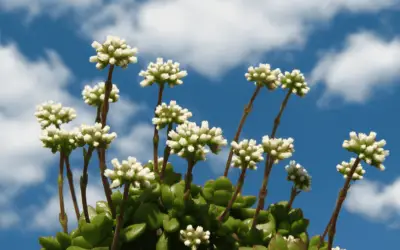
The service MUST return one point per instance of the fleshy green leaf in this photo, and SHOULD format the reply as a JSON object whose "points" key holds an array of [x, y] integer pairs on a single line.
{"points": [[133, 232]]}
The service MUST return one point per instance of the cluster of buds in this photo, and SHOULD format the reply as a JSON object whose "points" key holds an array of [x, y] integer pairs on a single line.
{"points": [[113, 51], [263, 75], [129, 171], [299, 176], [290, 238], [59, 140], [194, 237], [246, 154], [95, 96], [189, 140], [367, 148], [50, 113], [169, 114], [278, 148], [345, 167], [162, 72], [295, 82], [95, 136]]}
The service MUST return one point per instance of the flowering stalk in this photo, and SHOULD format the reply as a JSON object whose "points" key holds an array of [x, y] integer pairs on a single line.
{"points": [[62, 215], [156, 138], [106, 185], [293, 193], [120, 218], [188, 178], [246, 112], [84, 181], [72, 187], [167, 152]]}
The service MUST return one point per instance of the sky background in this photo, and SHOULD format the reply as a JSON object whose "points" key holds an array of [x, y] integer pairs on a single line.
{"points": [[349, 51]]}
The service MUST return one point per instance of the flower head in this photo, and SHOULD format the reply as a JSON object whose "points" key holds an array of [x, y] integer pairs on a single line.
{"points": [[193, 237], [246, 154], [113, 51], [59, 140], [264, 76], [345, 167], [95, 136], [95, 96], [290, 238], [163, 72], [189, 140], [278, 148], [50, 113], [169, 114], [129, 171], [299, 176], [295, 82], [367, 148]]}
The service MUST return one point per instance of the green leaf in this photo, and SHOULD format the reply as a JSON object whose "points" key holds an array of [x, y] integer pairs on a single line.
{"points": [[223, 183], [116, 198], [249, 200], [222, 197], [150, 214], [178, 189], [81, 242], [49, 243], [295, 214], [209, 184], [162, 243], [102, 207], [77, 248], [299, 226], [133, 232], [92, 213], [75, 233], [101, 248], [171, 225], [278, 243], [64, 240], [208, 193], [167, 196], [297, 245], [91, 233]]}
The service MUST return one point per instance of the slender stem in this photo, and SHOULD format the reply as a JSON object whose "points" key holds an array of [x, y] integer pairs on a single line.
{"points": [[72, 187], [120, 218], [237, 190], [107, 93], [101, 152], [246, 112], [62, 215], [156, 138], [188, 178], [167, 151], [293, 194], [339, 203], [84, 182]]}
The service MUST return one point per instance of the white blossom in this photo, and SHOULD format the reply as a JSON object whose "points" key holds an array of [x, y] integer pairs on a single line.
{"points": [[345, 167], [113, 51], [59, 140], [95, 96], [189, 140], [50, 113], [295, 82], [194, 237], [263, 75], [169, 114], [290, 238], [367, 148], [129, 171], [299, 176], [246, 154], [95, 136], [278, 148], [162, 72]]}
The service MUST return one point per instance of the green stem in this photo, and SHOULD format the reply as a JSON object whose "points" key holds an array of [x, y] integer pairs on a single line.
{"points": [[101, 153], [84, 182], [155, 136], [62, 215], [246, 112], [293, 194], [120, 218], [167, 151], [72, 187], [237, 190]]}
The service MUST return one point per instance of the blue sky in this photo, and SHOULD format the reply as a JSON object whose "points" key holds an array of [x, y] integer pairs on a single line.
{"points": [[348, 50]]}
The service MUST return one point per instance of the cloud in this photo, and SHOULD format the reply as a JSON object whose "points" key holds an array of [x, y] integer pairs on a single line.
{"points": [[366, 63], [8, 218], [375, 200], [217, 162]]}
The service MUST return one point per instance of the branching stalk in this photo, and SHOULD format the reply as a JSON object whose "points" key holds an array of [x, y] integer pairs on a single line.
{"points": [[84, 182], [120, 218], [62, 215], [167, 151], [72, 187], [156, 138]]}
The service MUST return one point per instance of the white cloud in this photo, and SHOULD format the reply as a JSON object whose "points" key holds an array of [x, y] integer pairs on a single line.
{"points": [[8, 218], [217, 162], [375, 200], [367, 63]]}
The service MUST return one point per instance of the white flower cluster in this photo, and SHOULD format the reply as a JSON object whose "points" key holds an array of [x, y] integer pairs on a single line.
{"points": [[295, 82], [367, 148], [113, 51], [290, 238], [168, 114], [189, 140], [95, 136], [337, 248], [59, 140], [95, 96], [129, 171], [246, 154], [345, 167], [278, 148], [192, 238], [264, 76], [299, 176], [49, 113], [162, 72]]}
